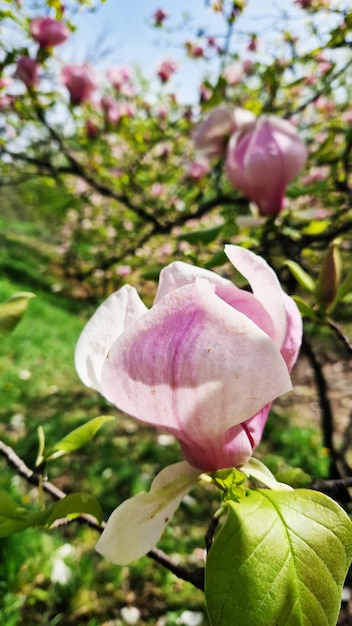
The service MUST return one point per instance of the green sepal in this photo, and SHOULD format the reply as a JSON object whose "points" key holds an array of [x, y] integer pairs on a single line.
{"points": [[232, 482], [280, 558]]}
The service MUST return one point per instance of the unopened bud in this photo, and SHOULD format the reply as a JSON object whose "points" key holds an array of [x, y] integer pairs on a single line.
{"points": [[330, 276]]}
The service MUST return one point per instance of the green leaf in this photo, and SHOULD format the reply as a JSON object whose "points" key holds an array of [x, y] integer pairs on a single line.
{"points": [[294, 476], [280, 559], [305, 308], [71, 506], [218, 259], [204, 236], [152, 273], [301, 275], [12, 311], [78, 437], [15, 518], [345, 287]]}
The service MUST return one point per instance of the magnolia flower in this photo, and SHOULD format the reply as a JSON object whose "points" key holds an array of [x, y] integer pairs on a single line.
{"points": [[203, 364], [80, 82], [262, 159], [48, 32], [27, 70]]}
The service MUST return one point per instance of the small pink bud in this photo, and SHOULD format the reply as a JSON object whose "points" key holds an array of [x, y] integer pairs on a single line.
{"points": [[263, 159], [48, 32], [28, 71], [166, 69], [159, 16], [80, 82], [253, 43]]}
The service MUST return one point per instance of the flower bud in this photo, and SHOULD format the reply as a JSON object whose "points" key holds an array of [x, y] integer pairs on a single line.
{"points": [[330, 276], [80, 82], [262, 159], [48, 32], [27, 70]]}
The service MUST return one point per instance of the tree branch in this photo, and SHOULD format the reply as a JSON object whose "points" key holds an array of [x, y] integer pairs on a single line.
{"points": [[195, 577]]}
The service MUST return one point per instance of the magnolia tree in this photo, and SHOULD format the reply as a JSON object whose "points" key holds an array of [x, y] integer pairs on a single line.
{"points": [[254, 178]]}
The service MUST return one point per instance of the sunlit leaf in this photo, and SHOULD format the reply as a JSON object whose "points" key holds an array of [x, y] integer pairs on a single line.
{"points": [[71, 506], [78, 437], [12, 311], [281, 558], [303, 279], [15, 518]]}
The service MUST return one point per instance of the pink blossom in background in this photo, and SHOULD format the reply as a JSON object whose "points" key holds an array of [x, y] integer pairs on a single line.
{"points": [[27, 70], [194, 50], [166, 69], [233, 74], [48, 32], [80, 81], [120, 78], [123, 270], [6, 101], [157, 190], [263, 159], [248, 66], [199, 168], [5, 81], [316, 174], [205, 93], [204, 363], [92, 129]]}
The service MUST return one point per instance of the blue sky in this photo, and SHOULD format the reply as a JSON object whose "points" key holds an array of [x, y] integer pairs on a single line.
{"points": [[123, 26]]}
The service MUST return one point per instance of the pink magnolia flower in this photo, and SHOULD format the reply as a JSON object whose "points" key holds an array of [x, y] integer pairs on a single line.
{"points": [[263, 159], [166, 69], [27, 70], [80, 81], [204, 363], [48, 32], [213, 133]]}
